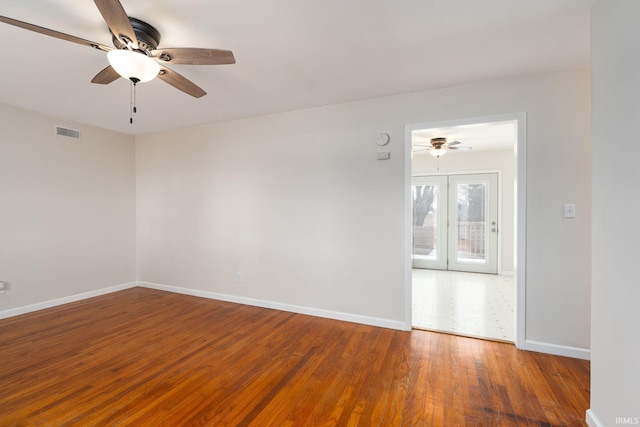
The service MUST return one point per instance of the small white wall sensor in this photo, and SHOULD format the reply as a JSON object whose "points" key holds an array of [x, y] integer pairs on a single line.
{"points": [[382, 139]]}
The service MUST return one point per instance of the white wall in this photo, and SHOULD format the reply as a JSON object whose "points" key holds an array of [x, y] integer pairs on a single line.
{"points": [[67, 209], [474, 161], [300, 205], [615, 373], [297, 202]]}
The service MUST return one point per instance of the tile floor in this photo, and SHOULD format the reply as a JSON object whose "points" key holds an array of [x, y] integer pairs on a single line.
{"points": [[470, 304]]}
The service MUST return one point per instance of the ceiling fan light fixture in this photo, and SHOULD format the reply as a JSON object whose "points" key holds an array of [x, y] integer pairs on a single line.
{"points": [[437, 152], [133, 66]]}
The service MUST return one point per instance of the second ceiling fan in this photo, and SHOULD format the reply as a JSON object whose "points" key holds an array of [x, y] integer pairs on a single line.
{"points": [[439, 146]]}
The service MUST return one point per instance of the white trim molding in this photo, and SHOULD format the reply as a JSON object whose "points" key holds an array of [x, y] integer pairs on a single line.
{"points": [[592, 420], [64, 300], [520, 267], [558, 350], [336, 315]]}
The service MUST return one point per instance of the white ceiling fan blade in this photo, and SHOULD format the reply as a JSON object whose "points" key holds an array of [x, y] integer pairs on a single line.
{"points": [[453, 143]]}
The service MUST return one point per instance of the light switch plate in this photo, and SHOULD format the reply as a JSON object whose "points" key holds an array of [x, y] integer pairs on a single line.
{"points": [[569, 210]]}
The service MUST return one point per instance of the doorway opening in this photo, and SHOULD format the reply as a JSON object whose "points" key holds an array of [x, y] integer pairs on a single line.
{"points": [[466, 227]]}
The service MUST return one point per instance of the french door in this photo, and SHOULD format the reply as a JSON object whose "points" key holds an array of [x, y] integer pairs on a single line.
{"points": [[455, 222]]}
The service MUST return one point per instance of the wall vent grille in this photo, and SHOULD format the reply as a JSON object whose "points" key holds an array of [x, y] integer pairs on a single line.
{"points": [[71, 133]]}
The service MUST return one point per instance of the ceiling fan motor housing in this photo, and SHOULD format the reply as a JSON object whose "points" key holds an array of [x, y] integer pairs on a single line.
{"points": [[438, 142], [148, 37]]}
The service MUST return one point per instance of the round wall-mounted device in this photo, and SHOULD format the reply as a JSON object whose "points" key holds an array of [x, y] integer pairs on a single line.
{"points": [[382, 139]]}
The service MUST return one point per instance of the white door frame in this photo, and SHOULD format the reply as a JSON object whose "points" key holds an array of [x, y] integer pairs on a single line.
{"points": [[520, 158]]}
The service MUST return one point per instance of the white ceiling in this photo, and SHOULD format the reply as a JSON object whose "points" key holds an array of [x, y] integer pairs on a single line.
{"points": [[290, 54]]}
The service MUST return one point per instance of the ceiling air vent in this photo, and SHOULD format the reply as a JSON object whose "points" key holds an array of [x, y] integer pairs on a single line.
{"points": [[71, 133]]}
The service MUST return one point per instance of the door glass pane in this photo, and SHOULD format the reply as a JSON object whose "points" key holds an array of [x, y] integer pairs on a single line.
{"points": [[425, 224], [471, 222]]}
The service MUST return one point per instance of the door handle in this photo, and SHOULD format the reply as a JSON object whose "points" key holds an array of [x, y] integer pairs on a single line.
{"points": [[493, 230]]}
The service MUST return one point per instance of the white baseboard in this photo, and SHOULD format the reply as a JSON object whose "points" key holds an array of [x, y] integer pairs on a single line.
{"points": [[64, 300], [336, 315], [592, 420], [506, 273], [558, 350]]}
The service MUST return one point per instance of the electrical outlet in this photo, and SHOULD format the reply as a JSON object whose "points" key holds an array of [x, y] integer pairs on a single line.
{"points": [[239, 277]]}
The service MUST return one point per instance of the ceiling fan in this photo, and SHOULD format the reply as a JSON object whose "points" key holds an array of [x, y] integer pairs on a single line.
{"points": [[136, 55], [439, 146]]}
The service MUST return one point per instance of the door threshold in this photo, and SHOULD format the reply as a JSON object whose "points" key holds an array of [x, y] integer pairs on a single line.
{"points": [[461, 334]]}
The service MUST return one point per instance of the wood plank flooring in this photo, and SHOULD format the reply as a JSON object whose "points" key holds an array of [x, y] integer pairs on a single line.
{"points": [[149, 358]]}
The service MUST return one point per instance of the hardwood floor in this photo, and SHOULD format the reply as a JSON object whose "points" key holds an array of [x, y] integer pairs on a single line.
{"points": [[146, 357]]}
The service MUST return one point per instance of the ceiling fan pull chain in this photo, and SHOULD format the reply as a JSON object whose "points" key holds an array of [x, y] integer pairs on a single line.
{"points": [[135, 85], [131, 103], [132, 99]]}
